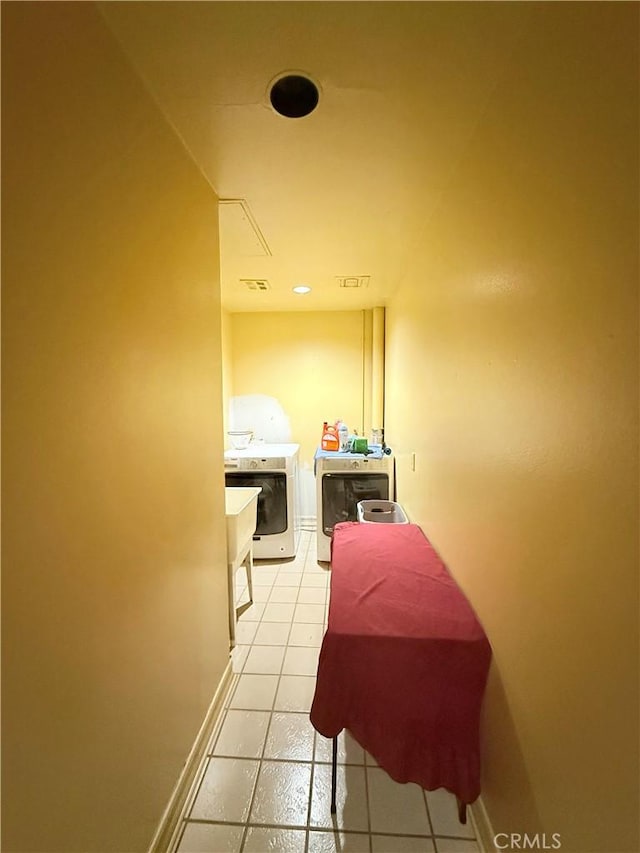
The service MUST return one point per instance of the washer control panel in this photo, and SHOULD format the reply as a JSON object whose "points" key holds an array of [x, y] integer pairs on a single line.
{"points": [[269, 463]]}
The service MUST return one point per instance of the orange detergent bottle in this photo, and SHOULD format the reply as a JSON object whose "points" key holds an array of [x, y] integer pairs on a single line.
{"points": [[330, 439]]}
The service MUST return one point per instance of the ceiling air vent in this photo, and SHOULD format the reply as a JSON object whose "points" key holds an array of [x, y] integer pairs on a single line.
{"points": [[353, 280], [255, 284]]}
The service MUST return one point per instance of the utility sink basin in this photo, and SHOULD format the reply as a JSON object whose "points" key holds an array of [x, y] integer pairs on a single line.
{"points": [[241, 513]]}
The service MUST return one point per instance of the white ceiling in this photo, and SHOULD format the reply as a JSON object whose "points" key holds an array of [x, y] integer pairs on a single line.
{"points": [[350, 189]]}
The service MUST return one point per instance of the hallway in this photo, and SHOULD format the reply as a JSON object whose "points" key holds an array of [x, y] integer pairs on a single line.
{"points": [[477, 164], [266, 783]]}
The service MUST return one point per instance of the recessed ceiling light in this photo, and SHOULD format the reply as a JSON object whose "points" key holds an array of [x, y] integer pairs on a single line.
{"points": [[301, 288]]}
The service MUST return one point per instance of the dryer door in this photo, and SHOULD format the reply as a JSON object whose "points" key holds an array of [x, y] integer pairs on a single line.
{"points": [[342, 490]]}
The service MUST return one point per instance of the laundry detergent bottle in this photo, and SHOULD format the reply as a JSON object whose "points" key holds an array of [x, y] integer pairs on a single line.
{"points": [[330, 440]]}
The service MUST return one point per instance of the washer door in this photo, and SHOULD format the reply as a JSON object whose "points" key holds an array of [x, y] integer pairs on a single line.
{"points": [[342, 491], [272, 500]]}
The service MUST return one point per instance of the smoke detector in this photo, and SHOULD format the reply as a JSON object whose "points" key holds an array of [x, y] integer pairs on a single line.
{"points": [[353, 281], [255, 284]]}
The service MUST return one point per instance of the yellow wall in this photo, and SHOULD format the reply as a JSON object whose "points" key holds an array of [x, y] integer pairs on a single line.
{"points": [[227, 378], [312, 363], [113, 579], [521, 406]]}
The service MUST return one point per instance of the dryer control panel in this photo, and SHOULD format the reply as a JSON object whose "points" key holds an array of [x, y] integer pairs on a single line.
{"points": [[354, 463]]}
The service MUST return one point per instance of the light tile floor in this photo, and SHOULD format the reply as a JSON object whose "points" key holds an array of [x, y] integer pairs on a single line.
{"points": [[266, 783]]}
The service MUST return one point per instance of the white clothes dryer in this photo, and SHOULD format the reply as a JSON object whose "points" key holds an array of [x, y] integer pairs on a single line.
{"points": [[274, 468], [342, 481]]}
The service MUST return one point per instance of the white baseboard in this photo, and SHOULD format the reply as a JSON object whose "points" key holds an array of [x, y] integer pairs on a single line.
{"points": [[482, 826], [171, 818]]}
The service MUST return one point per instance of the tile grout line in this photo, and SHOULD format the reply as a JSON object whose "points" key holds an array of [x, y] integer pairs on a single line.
{"points": [[257, 778], [366, 797], [268, 729], [313, 771], [272, 712], [289, 760], [327, 830]]}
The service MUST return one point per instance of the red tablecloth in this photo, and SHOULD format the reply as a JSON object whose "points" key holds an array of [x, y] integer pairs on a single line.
{"points": [[404, 661]]}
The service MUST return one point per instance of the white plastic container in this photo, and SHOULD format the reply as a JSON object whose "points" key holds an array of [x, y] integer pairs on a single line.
{"points": [[381, 512], [343, 435], [240, 438]]}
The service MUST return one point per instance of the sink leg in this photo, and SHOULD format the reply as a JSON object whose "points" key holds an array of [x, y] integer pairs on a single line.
{"points": [[249, 568]]}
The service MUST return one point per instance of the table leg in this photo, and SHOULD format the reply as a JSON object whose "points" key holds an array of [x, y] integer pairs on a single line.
{"points": [[462, 811], [334, 762]]}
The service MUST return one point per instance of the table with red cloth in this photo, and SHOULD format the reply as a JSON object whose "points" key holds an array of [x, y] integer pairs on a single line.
{"points": [[404, 660]]}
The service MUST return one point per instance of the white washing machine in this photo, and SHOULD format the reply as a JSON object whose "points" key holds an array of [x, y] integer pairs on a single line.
{"points": [[274, 468], [342, 480]]}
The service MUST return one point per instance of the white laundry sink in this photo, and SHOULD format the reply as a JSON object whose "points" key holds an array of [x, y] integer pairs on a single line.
{"points": [[241, 513]]}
